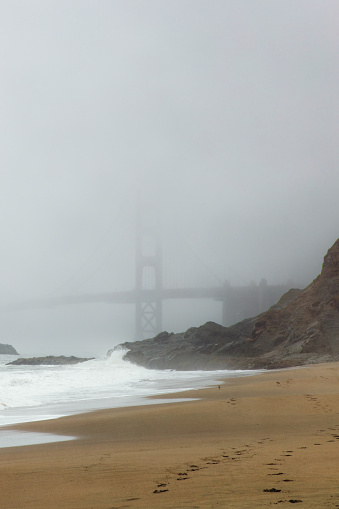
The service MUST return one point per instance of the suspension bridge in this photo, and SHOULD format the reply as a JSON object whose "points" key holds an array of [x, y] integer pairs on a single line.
{"points": [[151, 290]]}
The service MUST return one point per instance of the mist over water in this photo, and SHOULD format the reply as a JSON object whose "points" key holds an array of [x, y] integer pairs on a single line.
{"points": [[221, 116]]}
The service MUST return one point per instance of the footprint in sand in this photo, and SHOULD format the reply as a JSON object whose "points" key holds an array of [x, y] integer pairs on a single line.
{"points": [[231, 401], [193, 468], [211, 461], [285, 383]]}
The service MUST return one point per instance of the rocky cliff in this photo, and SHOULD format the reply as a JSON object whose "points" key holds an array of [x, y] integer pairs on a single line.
{"points": [[302, 328]]}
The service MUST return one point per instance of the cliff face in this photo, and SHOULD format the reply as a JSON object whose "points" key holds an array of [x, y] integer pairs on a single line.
{"points": [[302, 328]]}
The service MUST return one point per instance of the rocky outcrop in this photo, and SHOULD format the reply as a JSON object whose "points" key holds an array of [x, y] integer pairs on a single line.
{"points": [[7, 350], [49, 360], [302, 328]]}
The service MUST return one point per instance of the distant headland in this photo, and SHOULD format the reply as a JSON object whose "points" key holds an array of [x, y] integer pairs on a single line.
{"points": [[7, 350]]}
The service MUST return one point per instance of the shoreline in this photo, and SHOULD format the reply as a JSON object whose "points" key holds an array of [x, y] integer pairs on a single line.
{"points": [[12, 415], [255, 433]]}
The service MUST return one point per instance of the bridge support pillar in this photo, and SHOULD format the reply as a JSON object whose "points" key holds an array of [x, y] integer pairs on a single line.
{"points": [[148, 305]]}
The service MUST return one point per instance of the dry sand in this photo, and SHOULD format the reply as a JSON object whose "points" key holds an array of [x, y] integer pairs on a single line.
{"points": [[270, 439]]}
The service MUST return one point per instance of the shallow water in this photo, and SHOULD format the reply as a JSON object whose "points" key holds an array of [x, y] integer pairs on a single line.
{"points": [[11, 438]]}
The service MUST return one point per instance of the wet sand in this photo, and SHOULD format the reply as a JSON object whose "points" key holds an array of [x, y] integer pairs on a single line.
{"points": [[270, 439]]}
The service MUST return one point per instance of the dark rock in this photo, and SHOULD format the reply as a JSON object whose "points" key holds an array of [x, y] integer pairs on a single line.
{"points": [[302, 328], [7, 350], [49, 360]]}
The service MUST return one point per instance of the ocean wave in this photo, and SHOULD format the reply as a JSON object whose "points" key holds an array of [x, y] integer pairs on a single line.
{"points": [[110, 378]]}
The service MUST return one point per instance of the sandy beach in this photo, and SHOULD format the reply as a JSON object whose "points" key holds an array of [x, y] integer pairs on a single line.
{"points": [[257, 441]]}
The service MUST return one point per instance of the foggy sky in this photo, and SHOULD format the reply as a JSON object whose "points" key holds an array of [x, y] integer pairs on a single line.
{"points": [[223, 114]]}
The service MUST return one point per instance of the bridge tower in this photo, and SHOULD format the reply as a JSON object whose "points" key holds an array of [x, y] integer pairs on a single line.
{"points": [[148, 258]]}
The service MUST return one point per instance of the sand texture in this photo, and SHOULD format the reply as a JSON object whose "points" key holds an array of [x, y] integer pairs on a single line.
{"points": [[261, 441]]}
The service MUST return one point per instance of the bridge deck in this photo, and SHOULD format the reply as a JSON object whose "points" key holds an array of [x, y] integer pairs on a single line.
{"points": [[219, 293]]}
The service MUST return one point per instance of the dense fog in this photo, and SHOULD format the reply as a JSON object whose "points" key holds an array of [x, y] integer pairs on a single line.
{"points": [[220, 116]]}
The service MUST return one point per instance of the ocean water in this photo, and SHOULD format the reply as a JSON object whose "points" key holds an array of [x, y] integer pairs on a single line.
{"points": [[29, 393]]}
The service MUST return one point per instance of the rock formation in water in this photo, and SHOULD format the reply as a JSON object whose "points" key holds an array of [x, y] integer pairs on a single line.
{"points": [[302, 328], [7, 350], [49, 360]]}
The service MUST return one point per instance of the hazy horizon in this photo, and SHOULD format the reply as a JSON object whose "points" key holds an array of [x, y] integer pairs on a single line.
{"points": [[221, 115]]}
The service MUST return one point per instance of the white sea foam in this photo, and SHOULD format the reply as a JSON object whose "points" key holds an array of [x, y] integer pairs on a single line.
{"points": [[41, 392]]}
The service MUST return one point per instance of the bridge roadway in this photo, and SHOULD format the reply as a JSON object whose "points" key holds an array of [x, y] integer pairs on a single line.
{"points": [[238, 302], [121, 297]]}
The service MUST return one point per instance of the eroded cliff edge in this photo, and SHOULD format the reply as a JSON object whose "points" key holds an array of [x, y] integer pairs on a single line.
{"points": [[302, 328]]}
